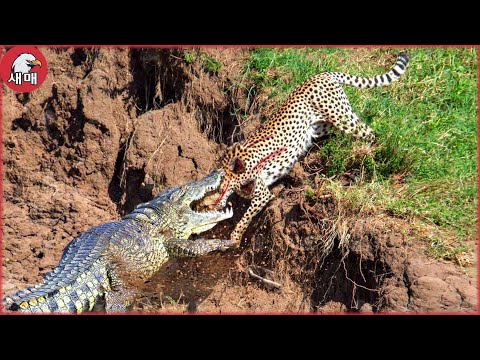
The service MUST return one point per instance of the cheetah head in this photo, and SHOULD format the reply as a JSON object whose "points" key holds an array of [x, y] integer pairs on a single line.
{"points": [[238, 178]]}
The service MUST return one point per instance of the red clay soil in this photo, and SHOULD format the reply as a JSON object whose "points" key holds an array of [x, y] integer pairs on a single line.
{"points": [[111, 128]]}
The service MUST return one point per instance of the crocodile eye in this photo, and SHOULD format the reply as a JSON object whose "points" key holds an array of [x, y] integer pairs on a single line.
{"points": [[237, 166], [248, 187]]}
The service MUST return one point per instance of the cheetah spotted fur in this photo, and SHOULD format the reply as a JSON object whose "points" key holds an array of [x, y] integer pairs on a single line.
{"points": [[309, 112]]}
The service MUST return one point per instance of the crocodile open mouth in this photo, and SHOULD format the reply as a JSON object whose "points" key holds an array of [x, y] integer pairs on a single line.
{"points": [[200, 206], [204, 218]]}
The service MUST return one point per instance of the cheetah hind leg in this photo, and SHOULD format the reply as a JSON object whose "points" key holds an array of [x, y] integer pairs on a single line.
{"points": [[322, 129], [358, 129], [351, 124]]}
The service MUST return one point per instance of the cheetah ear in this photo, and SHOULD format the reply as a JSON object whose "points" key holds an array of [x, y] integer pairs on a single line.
{"points": [[237, 166]]}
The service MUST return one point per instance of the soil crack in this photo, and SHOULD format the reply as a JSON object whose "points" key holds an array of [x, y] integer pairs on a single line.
{"points": [[406, 281]]}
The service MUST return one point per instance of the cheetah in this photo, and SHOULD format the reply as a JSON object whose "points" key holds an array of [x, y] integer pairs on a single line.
{"points": [[309, 112]]}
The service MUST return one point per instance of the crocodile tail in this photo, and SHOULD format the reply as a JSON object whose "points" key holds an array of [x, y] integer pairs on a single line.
{"points": [[76, 296], [69, 299], [380, 80], [76, 283], [26, 300]]}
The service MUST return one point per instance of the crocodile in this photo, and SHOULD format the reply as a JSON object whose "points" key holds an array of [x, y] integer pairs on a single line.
{"points": [[106, 265]]}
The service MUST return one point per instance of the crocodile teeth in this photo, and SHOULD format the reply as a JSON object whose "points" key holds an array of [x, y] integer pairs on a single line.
{"points": [[211, 188], [229, 212]]}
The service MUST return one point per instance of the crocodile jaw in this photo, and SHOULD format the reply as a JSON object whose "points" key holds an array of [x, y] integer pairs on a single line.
{"points": [[217, 198], [202, 221], [207, 220]]}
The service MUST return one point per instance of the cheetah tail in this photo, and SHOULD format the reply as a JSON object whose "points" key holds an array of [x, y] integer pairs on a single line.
{"points": [[380, 80]]}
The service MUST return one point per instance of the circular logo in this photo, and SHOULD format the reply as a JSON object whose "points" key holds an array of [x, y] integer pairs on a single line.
{"points": [[23, 68]]}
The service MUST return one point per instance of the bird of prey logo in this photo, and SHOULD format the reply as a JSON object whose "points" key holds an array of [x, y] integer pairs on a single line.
{"points": [[24, 63], [23, 68]]}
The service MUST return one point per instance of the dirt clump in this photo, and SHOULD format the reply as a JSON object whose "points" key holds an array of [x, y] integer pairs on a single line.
{"points": [[111, 128]]}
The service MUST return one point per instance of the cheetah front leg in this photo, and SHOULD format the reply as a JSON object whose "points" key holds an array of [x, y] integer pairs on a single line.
{"points": [[261, 195]]}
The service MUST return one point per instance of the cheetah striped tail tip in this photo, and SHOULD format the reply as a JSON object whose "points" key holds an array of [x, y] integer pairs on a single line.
{"points": [[397, 70], [404, 55]]}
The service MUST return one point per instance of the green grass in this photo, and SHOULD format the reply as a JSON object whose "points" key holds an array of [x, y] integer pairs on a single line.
{"points": [[212, 65], [189, 56], [425, 125]]}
